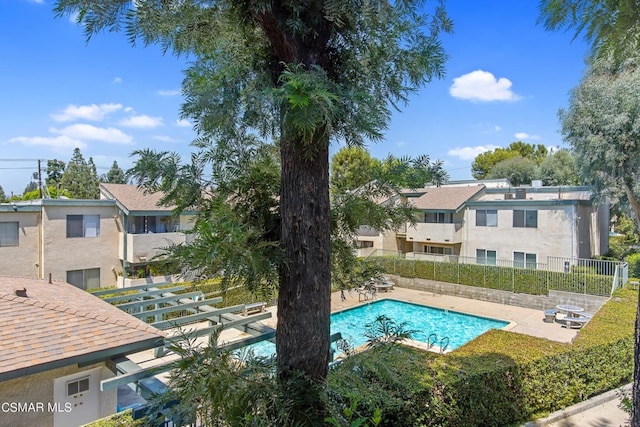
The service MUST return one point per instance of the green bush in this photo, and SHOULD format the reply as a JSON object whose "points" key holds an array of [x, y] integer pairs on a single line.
{"points": [[634, 265]]}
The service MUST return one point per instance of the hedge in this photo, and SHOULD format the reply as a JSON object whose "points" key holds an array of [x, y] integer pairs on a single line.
{"points": [[500, 378], [522, 280]]}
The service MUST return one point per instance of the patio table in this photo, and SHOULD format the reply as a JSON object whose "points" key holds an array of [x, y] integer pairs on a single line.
{"points": [[571, 310], [383, 287]]}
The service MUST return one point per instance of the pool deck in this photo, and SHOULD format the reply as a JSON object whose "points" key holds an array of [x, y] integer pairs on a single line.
{"points": [[521, 320]]}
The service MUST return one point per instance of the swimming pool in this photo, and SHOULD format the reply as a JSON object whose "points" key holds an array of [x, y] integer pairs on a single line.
{"points": [[459, 328]]}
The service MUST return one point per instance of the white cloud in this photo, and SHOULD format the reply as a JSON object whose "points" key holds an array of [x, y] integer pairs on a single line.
{"points": [[400, 144], [163, 138], [91, 112], [524, 135], [470, 153], [142, 121], [497, 128], [168, 92], [183, 123], [56, 142], [117, 80], [482, 86], [84, 131]]}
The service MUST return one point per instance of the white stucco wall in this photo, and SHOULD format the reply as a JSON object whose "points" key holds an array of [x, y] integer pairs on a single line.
{"points": [[39, 389]]}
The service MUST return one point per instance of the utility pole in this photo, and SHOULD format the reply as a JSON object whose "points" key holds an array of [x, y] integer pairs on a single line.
{"points": [[40, 178]]}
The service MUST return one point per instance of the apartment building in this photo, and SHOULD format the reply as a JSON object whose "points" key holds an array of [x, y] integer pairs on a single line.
{"points": [[492, 221], [144, 226], [88, 243], [68, 240]]}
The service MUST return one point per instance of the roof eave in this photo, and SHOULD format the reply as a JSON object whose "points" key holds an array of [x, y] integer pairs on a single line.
{"points": [[86, 359]]}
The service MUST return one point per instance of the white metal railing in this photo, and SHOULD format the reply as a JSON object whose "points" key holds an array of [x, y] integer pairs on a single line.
{"points": [[577, 275]]}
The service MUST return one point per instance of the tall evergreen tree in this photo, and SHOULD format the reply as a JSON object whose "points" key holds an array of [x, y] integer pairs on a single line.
{"points": [[115, 175], [331, 69], [3, 196], [54, 171], [80, 177], [31, 186]]}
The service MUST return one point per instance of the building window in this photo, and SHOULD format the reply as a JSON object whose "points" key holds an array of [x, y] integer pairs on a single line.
{"points": [[84, 279], [362, 244], [438, 217], [8, 234], [524, 260], [151, 224], [486, 218], [77, 386], [525, 218], [83, 225], [438, 250], [485, 256]]}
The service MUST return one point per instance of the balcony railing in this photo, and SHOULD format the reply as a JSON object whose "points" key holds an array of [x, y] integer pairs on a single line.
{"points": [[143, 247], [435, 232]]}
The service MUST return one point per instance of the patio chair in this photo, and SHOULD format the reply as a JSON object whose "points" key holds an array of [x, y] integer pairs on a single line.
{"points": [[365, 292]]}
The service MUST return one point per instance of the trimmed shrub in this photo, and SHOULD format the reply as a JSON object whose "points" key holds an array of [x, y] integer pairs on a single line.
{"points": [[634, 265]]}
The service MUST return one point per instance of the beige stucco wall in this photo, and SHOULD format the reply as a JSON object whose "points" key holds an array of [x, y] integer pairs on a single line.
{"points": [[554, 235], [38, 388], [62, 254], [21, 260]]}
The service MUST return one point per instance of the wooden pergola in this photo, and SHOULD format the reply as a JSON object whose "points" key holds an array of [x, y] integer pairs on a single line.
{"points": [[152, 304]]}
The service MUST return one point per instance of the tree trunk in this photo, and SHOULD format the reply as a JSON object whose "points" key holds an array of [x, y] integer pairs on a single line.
{"points": [[635, 391], [304, 300]]}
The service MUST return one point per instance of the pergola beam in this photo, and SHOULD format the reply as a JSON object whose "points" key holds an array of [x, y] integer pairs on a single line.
{"points": [[131, 288], [144, 294], [137, 304], [177, 307]]}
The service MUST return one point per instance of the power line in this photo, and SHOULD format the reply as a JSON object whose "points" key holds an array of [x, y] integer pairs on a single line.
{"points": [[24, 167]]}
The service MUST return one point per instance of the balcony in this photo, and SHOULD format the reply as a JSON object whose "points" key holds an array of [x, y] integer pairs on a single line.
{"points": [[435, 232], [141, 248]]}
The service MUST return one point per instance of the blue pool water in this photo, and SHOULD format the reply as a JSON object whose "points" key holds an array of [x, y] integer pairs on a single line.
{"points": [[458, 327]]}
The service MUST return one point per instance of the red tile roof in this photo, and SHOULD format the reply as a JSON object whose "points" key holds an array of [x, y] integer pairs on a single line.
{"points": [[57, 324]]}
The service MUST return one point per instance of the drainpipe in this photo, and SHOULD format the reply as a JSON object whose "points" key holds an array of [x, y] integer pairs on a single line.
{"points": [[125, 263], [40, 227]]}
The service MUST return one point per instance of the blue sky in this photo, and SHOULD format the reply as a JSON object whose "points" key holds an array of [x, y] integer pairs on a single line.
{"points": [[506, 79]]}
